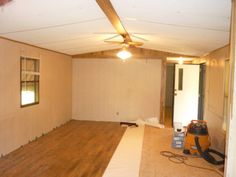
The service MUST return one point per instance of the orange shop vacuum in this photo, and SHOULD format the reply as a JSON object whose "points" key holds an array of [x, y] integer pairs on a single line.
{"points": [[197, 142]]}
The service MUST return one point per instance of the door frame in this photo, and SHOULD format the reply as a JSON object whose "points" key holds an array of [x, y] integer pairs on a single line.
{"points": [[202, 85], [174, 88], [163, 91]]}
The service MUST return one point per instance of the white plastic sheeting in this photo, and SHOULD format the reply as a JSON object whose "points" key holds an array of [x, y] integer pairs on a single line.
{"points": [[153, 121], [126, 160]]}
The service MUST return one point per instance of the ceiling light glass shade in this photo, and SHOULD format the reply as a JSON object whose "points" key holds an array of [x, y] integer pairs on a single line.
{"points": [[181, 61], [124, 54]]}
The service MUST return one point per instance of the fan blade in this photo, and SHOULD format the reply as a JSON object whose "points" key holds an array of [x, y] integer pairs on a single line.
{"points": [[113, 17], [128, 43], [135, 43], [134, 33], [115, 36], [104, 33], [139, 37], [114, 42]]}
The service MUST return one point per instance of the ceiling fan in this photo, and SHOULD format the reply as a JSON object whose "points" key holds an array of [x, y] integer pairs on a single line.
{"points": [[113, 17], [4, 2], [124, 42]]}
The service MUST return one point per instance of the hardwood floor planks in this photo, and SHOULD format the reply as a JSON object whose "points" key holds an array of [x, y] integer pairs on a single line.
{"points": [[77, 149]]}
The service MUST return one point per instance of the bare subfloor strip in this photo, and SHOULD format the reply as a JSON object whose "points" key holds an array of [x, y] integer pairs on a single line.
{"points": [[77, 149], [126, 160], [155, 165]]}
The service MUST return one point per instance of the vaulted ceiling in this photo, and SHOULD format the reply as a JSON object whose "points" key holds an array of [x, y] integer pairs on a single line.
{"points": [[192, 27]]}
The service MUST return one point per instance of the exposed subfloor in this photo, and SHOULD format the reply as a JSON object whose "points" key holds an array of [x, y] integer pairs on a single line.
{"points": [[155, 165], [77, 149]]}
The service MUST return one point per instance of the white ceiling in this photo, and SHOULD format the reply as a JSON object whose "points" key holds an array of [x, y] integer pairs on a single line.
{"points": [[192, 27]]}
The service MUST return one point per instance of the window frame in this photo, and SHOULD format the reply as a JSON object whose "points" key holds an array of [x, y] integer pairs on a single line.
{"points": [[21, 71]]}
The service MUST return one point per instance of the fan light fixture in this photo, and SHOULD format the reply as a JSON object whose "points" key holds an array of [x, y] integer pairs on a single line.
{"points": [[181, 61], [124, 54]]}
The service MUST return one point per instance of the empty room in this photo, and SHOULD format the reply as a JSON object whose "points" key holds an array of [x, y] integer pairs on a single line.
{"points": [[111, 88]]}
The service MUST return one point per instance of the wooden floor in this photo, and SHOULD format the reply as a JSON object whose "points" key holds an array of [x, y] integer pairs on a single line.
{"points": [[168, 117], [77, 149]]}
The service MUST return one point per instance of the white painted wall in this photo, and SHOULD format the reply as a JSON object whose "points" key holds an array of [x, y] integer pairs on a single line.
{"points": [[112, 90], [19, 125]]}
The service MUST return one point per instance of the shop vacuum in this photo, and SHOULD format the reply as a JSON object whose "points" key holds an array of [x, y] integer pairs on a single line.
{"points": [[197, 142]]}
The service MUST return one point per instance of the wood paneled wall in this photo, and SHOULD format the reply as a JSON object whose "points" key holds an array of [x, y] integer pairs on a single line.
{"points": [[214, 95], [231, 140], [19, 125]]}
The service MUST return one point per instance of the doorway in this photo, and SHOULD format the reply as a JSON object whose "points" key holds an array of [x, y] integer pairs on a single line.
{"points": [[169, 95], [185, 93], [202, 85]]}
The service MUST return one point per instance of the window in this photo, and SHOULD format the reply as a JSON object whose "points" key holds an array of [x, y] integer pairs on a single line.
{"points": [[180, 85], [29, 81]]}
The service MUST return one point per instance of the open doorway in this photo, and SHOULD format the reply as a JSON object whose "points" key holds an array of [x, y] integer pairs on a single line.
{"points": [[169, 95], [186, 102], [186, 93], [202, 85]]}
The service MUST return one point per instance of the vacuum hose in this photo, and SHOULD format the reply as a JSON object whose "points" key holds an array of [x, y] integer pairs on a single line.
{"points": [[206, 154]]}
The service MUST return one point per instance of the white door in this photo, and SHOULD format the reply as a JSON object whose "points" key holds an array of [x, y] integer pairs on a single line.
{"points": [[186, 93]]}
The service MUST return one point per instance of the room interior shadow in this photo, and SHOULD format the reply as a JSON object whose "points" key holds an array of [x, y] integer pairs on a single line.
{"points": [[202, 85], [169, 95]]}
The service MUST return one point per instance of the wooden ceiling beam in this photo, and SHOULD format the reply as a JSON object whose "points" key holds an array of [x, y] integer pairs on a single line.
{"points": [[113, 17], [139, 53]]}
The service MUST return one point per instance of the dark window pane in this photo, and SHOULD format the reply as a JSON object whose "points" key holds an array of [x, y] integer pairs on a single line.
{"points": [[180, 83], [30, 65]]}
